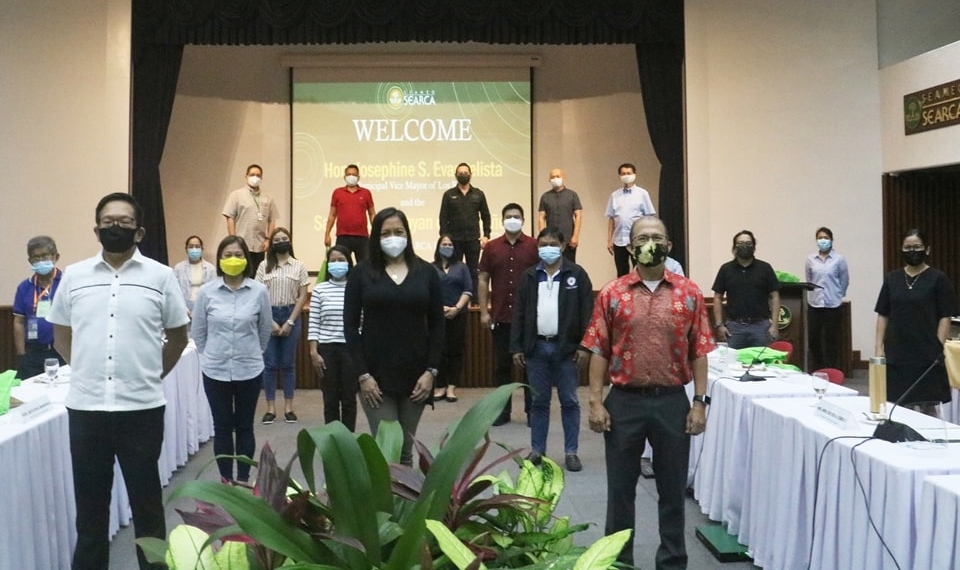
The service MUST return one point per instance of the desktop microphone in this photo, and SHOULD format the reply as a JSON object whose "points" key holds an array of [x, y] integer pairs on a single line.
{"points": [[892, 431], [747, 377]]}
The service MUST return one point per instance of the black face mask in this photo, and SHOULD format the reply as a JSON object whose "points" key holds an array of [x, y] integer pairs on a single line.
{"points": [[463, 178], [745, 251], [282, 247], [116, 239], [914, 257]]}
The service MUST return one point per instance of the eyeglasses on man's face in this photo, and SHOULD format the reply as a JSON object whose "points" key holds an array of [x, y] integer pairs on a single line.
{"points": [[645, 239]]}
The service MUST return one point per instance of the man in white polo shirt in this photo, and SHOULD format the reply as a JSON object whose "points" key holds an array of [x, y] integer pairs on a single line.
{"points": [[110, 317]]}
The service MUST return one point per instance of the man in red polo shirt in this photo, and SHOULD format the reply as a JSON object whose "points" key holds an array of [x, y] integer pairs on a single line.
{"points": [[504, 261], [351, 208], [649, 335]]}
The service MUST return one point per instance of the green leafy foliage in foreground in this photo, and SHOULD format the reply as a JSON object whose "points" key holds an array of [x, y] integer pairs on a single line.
{"points": [[373, 513]]}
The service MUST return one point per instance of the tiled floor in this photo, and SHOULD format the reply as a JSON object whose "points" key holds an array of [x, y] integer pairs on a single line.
{"points": [[584, 497]]}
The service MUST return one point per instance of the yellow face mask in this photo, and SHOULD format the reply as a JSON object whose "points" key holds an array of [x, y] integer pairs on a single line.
{"points": [[233, 266]]}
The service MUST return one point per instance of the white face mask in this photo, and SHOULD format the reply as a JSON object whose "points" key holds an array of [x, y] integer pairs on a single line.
{"points": [[513, 225], [253, 181], [628, 178], [556, 182], [351, 180], [393, 246]]}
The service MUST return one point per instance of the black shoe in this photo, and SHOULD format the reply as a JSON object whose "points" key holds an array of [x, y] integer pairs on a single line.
{"points": [[501, 420], [535, 457], [268, 418], [646, 468], [573, 462], [290, 417]]}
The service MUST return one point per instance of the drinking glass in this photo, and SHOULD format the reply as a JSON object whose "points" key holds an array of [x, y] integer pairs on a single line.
{"points": [[820, 381], [51, 366], [722, 348]]}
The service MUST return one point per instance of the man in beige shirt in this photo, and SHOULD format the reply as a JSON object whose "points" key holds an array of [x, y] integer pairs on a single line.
{"points": [[252, 214]]}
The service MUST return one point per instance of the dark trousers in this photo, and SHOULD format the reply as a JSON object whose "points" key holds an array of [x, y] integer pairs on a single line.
{"points": [[503, 366], [134, 439], [232, 405], [471, 256], [256, 258], [31, 363], [635, 419], [622, 259], [359, 245], [570, 253], [451, 367], [339, 385], [824, 334]]}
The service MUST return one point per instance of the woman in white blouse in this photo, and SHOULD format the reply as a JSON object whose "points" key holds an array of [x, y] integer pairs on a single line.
{"points": [[193, 271]]}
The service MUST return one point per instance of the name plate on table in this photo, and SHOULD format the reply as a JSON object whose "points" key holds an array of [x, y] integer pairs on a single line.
{"points": [[836, 415], [30, 410]]}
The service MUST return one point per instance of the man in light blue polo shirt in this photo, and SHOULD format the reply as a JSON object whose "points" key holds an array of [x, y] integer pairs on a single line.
{"points": [[110, 318], [626, 205]]}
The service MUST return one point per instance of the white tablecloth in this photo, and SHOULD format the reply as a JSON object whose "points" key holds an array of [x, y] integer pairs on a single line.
{"points": [[938, 523], [723, 463], [38, 477], [951, 410], [778, 515]]}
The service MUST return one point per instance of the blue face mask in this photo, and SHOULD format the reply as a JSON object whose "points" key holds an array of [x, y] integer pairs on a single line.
{"points": [[337, 269], [549, 253], [43, 267], [193, 253], [446, 251], [824, 244]]}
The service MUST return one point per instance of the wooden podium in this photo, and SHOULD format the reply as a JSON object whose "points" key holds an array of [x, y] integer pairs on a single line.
{"points": [[793, 318]]}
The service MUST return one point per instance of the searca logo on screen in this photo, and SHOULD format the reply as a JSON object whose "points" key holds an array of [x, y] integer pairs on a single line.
{"points": [[397, 98]]}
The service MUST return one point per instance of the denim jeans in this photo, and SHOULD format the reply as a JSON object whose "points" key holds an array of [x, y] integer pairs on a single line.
{"points": [[134, 439], [232, 405], [281, 356], [746, 335], [546, 369]]}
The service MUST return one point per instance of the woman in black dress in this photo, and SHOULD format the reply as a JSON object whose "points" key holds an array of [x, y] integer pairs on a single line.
{"points": [[396, 298], [913, 321]]}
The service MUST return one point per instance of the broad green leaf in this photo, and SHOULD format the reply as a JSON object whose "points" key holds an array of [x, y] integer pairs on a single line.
{"points": [[257, 519], [452, 547], [603, 553], [154, 549], [406, 554], [390, 440], [378, 470], [232, 556], [187, 549]]}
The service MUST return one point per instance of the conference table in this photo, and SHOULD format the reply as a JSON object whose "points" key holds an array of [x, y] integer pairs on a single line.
{"points": [[722, 458], [814, 490], [939, 525], [37, 495]]}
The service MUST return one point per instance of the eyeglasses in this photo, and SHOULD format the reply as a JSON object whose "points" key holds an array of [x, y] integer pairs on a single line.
{"points": [[127, 223], [914, 247], [643, 240]]}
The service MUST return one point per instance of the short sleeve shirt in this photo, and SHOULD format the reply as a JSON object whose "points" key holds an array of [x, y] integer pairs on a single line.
{"points": [[505, 263], [352, 208], [650, 338], [30, 297], [624, 206], [284, 281], [559, 208], [747, 288], [118, 317], [252, 214]]}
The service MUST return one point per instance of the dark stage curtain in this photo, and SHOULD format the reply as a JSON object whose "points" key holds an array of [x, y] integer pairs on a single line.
{"points": [[155, 71], [661, 81]]}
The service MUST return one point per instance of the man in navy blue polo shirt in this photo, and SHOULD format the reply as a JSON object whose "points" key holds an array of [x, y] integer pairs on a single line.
{"points": [[32, 334]]}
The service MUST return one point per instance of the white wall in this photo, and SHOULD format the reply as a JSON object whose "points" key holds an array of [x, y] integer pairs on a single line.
{"points": [[64, 107], [783, 136], [922, 150], [232, 108]]}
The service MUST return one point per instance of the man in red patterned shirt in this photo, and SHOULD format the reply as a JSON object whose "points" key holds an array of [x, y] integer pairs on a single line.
{"points": [[649, 335]]}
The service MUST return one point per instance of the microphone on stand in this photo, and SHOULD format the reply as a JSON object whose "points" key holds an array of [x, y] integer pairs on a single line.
{"points": [[747, 377], [889, 430]]}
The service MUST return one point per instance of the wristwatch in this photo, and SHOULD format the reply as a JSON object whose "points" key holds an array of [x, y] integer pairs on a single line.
{"points": [[433, 371], [702, 398], [291, 323]]}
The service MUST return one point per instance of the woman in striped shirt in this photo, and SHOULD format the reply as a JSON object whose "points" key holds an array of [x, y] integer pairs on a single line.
{"points": [[287, 281], [328, 347]]}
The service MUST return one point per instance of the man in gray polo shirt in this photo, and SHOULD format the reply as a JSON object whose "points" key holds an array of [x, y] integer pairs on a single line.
{"points": [[560, 208], [110, 316]]}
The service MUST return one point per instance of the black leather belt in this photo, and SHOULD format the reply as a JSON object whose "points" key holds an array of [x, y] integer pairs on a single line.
{"points": [[546, 338], [649, 390]]}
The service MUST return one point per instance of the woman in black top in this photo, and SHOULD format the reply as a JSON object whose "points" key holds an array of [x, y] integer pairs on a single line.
{"points": [[396, 297], [913, 321]]}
